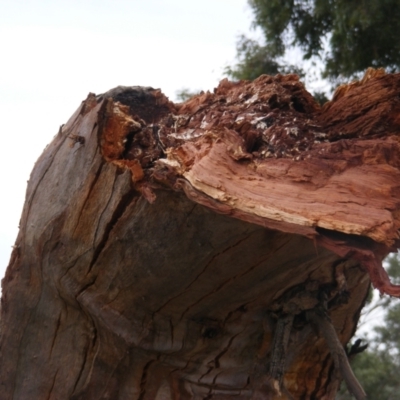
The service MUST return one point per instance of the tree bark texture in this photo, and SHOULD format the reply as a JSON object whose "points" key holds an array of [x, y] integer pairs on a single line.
{"points": [[205, 250]]}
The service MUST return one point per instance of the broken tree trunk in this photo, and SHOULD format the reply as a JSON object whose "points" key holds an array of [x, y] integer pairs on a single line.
{"points": [[220, 248]]}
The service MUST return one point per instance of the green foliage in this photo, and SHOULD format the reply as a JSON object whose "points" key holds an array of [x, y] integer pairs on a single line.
{"points": [[185, 94], [320, 97], [364, 34], [377, 372], [389, 334], [289, 22], [255, 60], [393, 268], [347, 36]]}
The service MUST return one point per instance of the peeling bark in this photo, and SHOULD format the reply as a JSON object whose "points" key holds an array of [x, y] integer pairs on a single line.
{"points": [[179, 251]]}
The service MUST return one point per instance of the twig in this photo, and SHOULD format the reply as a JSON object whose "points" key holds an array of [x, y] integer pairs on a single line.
{"points": [[319, 317]]}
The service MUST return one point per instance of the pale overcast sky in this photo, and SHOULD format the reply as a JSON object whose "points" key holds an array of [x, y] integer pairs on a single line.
{"points": [[54, 52]]}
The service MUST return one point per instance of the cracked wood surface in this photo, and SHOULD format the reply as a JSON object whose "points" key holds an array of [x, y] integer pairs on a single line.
{"points": [[162, 245]]}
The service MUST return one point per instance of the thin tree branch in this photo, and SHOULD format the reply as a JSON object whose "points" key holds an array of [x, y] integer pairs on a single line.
{"points": [[319, 317]]}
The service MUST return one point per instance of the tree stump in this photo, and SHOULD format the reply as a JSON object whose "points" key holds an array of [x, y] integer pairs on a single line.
{"points": [[222, 248]]}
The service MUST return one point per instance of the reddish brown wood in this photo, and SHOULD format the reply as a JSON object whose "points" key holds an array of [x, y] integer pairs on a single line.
{"points": [[163, 246]]}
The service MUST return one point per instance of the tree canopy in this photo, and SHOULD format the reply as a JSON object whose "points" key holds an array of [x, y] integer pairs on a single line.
{"points": [[347, 36]]}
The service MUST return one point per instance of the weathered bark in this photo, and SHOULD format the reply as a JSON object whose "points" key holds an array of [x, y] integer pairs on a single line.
{"points": [[206, 250]]}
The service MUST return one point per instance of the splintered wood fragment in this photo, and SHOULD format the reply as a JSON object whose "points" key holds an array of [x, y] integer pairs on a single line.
{"points": [[279, 348], [157, 239]]}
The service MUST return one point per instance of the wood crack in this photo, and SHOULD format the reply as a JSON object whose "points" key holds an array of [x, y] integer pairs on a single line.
{"points": [[225, 283], [55, 334], [84, 361], [88, 195], [187, 288], [143, 379], [118, 212], [52, 385]]}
